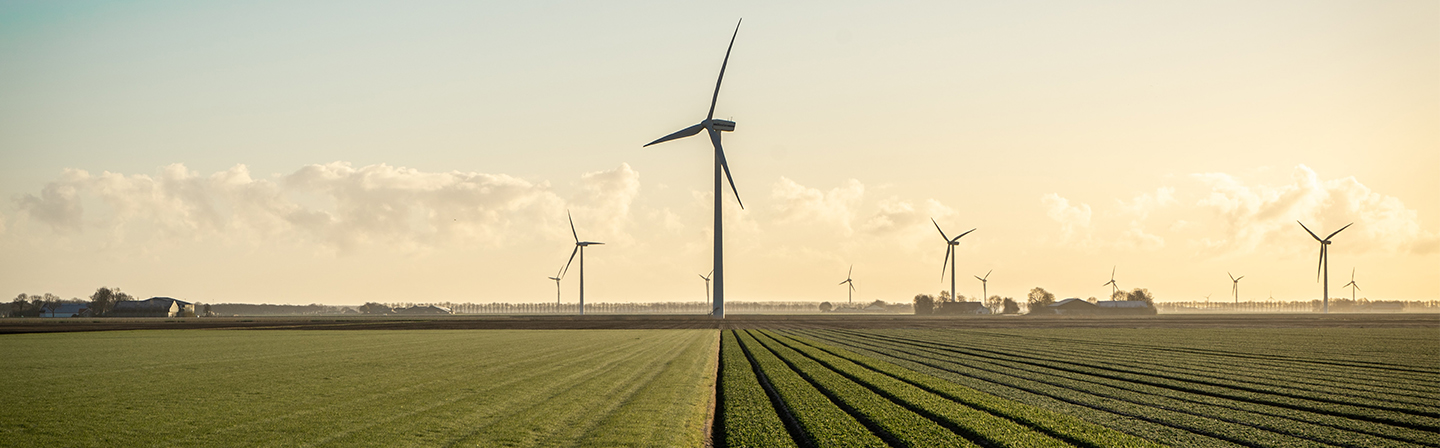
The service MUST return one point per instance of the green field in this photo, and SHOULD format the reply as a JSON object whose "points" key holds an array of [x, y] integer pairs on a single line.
{"points": [[357, 388], [1085, 387], [1211, 387]]}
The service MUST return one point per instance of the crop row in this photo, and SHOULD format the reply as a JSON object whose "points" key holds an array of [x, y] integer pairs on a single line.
{"points": [[1328, 379], [1137, 400], [834, 397]]}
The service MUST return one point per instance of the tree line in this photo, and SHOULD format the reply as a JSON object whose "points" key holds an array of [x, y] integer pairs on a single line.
{"points": [[30, 305], [1035, 301]]}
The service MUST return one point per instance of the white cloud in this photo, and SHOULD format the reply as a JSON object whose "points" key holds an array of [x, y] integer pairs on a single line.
{"points": [[897, 216], [1258, 215], [335, 205], [798, 203], [1074, 220]]}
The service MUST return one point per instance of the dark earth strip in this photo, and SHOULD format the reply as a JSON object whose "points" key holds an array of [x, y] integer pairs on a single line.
{"points": [[743, 322]]}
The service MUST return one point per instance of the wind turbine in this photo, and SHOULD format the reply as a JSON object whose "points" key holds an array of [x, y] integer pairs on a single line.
{"points": [[850, 296], [557, 278], [1353, 287], [1324, 265], [984, 286], [1235, 288], [714, 127], [579, 248], [1114, 287], [707, 286], [950, 244]]}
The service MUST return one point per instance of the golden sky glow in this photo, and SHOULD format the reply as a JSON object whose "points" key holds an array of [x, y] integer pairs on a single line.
{"points": [[327, 152]]}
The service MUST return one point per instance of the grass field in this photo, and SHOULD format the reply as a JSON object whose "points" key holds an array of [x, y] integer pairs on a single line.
{"points": [[1215, 387], [357, 388]]}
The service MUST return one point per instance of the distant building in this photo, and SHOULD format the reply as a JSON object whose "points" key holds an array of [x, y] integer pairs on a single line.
{"points": [[953, 308], [69, 310], [426, 309], [1073, 307], [153, 307]]}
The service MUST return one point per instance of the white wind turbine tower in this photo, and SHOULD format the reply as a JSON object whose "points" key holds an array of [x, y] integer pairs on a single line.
{"points": [[557, 278], [984, 286], [1114, 287], [707, 286], [1352, 285], [1324, 265], [1235, 288], [579, 248], [950, 244], [714, 127], [850, 296]]}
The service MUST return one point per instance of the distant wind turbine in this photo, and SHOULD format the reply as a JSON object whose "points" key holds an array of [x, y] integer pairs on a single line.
{"points": [[1324, 266], [557, 278], [950, 244], [579, 248], [707, 286], [1352, 285], [984, 286], [714, 127], [850, 296], [1235, 288], [1114, 287]]}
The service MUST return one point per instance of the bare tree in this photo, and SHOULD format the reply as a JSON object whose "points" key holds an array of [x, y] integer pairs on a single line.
{"points": [[1141, 295], [1039, 298], [993, 303], [1009, 306], [924, 304], [104, 300]]}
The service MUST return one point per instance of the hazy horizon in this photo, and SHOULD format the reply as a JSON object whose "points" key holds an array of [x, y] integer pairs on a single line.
{"points": [[327, 152]]}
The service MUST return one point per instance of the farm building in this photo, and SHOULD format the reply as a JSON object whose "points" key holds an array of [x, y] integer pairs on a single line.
{"points": [[426, 309], [950, 308], [69, 310], [153, 307], [1124, 307], [1073, 307]]}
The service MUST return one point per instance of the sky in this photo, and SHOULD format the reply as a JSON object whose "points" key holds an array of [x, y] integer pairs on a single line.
{"points": [[346, 152]]}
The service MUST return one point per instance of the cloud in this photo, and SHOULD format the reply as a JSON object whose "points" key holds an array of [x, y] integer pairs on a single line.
{"points": [[798, 203], [335, 205], [903, 216], [1260, 215], [1074, 220]]}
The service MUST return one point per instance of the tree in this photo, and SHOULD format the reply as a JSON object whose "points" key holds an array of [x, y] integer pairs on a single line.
{"points": [[825, 307], [1010, 307], [19, 304], [375, 308], [104, 300], [1039, 298], [944, 297], [924, 304], [879, 303], [1092, 299], [993, 303], [52, 303], [208, 313], [1119, 295], [1141, 295]]}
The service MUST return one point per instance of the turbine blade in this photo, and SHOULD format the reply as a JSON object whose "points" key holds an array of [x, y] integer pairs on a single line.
{"points": [[844, 282], [1232, 276], [572, 227], [720, 151], [942, 232], [572, 259], [852, 271], [1338, 231], [702, 277], [678, 134], [852, 286], [980, 279], [987, 274], [716, 96], [1320, 263], [1357, 286], [946, 262], [1237, 281], [1307, 230], [957, 237]]}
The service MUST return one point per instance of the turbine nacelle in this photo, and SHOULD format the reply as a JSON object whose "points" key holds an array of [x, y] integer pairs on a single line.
{"points": [[720, 125]]}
